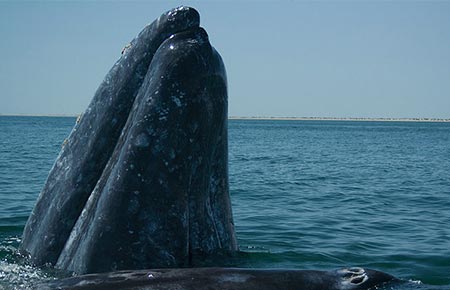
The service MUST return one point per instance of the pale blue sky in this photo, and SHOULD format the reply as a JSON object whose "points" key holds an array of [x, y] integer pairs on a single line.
{"points": [[283, 58]]}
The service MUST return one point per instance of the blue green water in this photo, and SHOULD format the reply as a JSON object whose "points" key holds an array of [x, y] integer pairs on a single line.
{"points": [[305, 194]]}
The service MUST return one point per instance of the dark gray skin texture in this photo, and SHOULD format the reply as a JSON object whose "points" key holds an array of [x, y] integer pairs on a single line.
{"points": [[227, 279], [162, 200], [92, 141], [142, 181]]}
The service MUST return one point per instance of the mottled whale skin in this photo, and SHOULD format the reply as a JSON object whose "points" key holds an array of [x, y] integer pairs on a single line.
{"points": [[162, 200], [227, 279], [144, 172], [92, 141]]}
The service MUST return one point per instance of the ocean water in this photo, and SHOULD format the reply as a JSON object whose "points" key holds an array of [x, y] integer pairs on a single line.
{"points": [[305, 194]]}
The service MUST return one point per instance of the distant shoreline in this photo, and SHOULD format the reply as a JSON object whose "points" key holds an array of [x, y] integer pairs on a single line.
{"points": [[341, 119], [38, 115], [362, 119]]}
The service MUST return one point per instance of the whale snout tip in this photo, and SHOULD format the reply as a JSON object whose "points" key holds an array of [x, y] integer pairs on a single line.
{"points": [[184, 13], [181, 8]]}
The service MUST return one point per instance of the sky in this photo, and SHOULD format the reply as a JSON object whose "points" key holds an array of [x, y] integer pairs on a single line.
{"points": [[386, 59]]}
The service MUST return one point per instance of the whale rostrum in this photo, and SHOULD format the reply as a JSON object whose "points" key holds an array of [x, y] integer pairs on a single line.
{"points": [[142, 180]]}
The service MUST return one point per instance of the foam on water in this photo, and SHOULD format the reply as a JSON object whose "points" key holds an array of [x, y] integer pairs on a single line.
{"points": [[15, 273]]}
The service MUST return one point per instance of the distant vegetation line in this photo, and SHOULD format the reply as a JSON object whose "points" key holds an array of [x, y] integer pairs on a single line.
{"points": [[39, 115], [277, 118], [341, 119]]}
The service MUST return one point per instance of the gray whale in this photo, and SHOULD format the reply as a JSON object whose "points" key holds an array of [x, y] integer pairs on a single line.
{"points": [[142, 180], [144, 174]]}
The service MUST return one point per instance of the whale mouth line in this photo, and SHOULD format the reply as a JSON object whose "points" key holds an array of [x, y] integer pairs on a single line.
{"points": [[186, 31]]}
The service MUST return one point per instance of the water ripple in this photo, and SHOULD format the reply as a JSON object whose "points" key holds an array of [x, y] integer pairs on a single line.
{"points": [[305, 195]]}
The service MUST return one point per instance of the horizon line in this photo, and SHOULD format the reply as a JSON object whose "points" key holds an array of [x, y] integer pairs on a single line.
{"points": [[278, 118]]}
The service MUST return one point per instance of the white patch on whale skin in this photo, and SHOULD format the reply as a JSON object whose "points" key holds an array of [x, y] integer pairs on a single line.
{"points": [[79, 178], [134, 205], [233, 278], [176, 100], [351, 277], [142, 140], [172, 153]]}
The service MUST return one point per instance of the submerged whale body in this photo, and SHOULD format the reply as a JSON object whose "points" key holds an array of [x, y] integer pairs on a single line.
{"points": [[142, 180], [226, 279]]}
